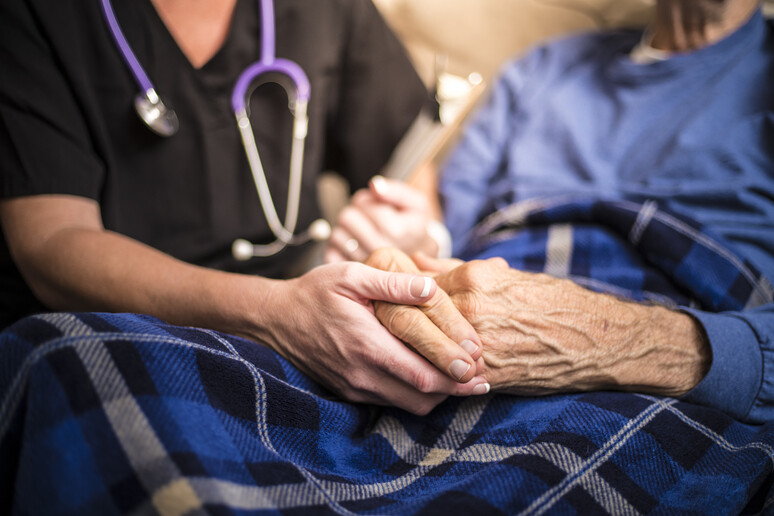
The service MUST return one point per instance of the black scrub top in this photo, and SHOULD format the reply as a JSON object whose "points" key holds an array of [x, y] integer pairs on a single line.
{"points": [[68, 126]]}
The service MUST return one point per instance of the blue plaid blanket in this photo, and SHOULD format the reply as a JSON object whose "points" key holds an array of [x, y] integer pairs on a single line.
{"points": [[635, 250], [123, 414], [119, 414]]}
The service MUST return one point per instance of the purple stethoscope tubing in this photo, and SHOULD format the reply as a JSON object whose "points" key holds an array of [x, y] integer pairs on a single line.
{"points": [[163, 121], [269, 63], [148, 104], [131, 60]]}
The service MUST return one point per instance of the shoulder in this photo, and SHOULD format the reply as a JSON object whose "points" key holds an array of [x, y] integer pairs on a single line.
{"points": [[554, 59]]}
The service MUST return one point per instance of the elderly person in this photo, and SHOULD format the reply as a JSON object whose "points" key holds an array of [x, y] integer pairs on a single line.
{"points": [[639, 166]]}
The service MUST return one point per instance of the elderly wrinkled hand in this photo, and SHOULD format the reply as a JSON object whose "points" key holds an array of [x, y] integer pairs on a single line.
{"points": [[543, 335]]}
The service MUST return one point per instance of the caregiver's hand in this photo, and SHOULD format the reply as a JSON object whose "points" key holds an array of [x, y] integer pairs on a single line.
{"points": [[324, 323], [388, 213], [434, 327], [543, 335]]}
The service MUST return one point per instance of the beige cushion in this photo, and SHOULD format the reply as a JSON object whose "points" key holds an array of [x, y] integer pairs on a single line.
{"points": [[479, 35]]}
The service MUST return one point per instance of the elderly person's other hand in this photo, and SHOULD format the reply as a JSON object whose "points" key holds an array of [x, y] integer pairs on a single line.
{"points": [[388, 213], [543, 335]]}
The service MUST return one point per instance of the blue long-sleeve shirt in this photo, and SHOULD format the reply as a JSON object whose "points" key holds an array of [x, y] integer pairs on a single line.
{"points": [[694, 133]]}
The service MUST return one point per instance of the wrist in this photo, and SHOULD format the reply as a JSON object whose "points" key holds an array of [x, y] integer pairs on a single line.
{"points": [[259, 309], [242, 305], [673, 355]]}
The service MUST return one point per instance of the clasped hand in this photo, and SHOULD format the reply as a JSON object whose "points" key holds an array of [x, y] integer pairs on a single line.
{"points": [[544, 335], [323, 322]]}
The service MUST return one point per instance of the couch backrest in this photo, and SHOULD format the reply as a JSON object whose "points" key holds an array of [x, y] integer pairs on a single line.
{"points": [[479, 35]]}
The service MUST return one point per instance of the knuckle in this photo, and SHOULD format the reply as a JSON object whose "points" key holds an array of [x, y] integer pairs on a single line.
{"points": [[498, 261], [424, 382], [475, 272], [390, 316], [381, 258], [422, 410], [422, 406], [476, 268], [394, 286], [347, 215], [360, 384], [469, 305], [406, 323], [361, 196], [350, 273]]}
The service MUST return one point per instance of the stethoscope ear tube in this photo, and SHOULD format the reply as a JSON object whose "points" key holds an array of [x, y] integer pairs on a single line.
{"points": [[149, 106], [298, 100], [284, 231]]}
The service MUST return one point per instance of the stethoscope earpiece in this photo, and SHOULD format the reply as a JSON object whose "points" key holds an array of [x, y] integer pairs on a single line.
{"points": [[320, 230], [242, 250]]}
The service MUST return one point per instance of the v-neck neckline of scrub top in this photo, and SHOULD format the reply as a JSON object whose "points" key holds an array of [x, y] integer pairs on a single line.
{"points": [[215, 79], [215, 57]]}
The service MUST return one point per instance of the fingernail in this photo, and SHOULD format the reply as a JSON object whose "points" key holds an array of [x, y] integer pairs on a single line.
{"points": [[469, 346], [378, 182], [458, 368], [420, 288], [482, 388]]}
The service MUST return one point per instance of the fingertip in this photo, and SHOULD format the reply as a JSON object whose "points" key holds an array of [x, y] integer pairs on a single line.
{"points": [[421, 287], [459, 369], [472, 349], [481, 389], [476, 386], [378, 185]]}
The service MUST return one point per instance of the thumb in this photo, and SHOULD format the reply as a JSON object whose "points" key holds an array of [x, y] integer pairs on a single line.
{"points": [[396, 193], [393, 287]]}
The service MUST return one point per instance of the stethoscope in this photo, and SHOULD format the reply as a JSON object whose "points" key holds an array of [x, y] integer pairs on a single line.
{"points": [[164, 122]]}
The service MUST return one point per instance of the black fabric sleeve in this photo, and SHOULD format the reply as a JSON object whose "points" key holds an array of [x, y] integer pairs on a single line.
{"points": [[381, 94], [45, 145]]}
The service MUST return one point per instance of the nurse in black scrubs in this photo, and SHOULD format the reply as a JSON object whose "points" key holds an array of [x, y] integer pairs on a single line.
{"points": [[100, 214]]}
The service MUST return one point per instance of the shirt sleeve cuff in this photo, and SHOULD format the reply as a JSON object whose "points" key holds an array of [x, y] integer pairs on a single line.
{"points": [[734, 379]]}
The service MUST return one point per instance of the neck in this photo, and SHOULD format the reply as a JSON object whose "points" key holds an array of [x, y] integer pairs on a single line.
{"points": [[686, 25], [200, 27]]}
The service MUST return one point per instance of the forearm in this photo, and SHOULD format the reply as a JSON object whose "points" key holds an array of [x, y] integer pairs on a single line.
{"points": [[96, 270], [666, 355]]}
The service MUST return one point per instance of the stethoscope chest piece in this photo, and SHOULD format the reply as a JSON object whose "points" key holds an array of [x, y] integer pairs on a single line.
{"points": [[151, 110]]}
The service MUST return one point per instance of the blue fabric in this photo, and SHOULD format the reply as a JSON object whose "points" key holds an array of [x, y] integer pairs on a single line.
{"points": [[692, 135], [644, 253], [115, 414]]}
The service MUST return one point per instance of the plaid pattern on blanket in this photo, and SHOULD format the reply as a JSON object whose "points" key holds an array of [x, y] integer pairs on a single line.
{"points": [[111, 414], [634, 250]]}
